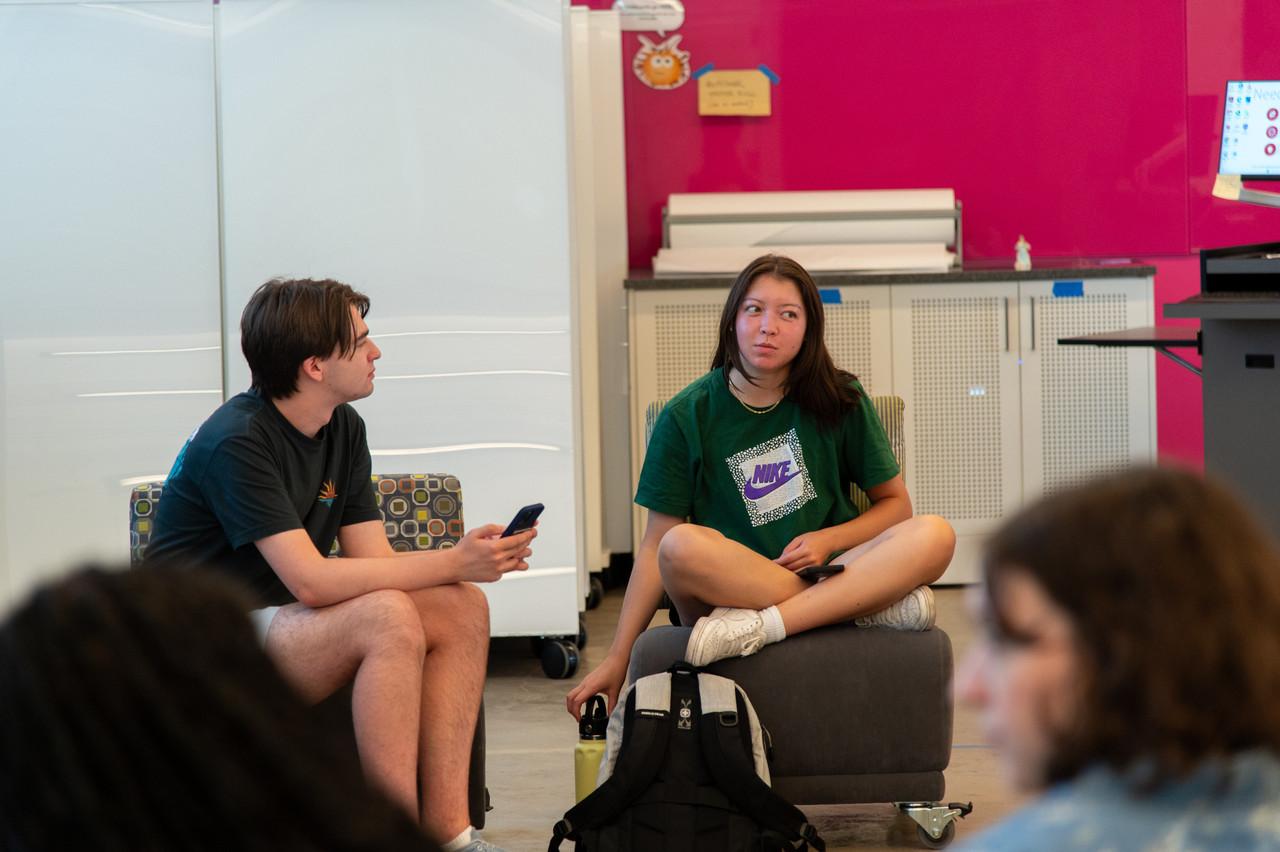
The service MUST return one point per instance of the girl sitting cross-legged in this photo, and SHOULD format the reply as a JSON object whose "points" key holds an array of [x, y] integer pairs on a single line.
{"points": [[746, 480]]}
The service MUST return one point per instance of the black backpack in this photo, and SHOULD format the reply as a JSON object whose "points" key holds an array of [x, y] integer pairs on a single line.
{"points": [[690, 775]]}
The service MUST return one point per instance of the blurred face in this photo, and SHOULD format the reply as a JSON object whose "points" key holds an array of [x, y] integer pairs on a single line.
{"points": [[350, 377], [770, 326], [1025, 686]]}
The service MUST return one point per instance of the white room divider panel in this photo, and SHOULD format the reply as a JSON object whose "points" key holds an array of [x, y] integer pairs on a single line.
{"points": [[418, 151], [599, 151], [108, 268]]}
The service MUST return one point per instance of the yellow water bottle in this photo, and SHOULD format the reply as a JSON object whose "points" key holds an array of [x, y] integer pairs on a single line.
{"points": [[590, 748]]}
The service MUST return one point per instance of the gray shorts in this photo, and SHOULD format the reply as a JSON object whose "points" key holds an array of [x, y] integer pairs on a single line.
{"points": [[261, 619]]}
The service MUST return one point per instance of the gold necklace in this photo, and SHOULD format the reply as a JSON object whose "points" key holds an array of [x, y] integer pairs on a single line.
{"points": [[734, 391]]}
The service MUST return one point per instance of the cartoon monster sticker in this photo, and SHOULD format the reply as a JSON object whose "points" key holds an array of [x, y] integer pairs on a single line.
{"points": [[662, 66]]}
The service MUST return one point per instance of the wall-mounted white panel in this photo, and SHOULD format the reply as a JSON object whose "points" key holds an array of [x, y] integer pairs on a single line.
{"points": [[418, 151], [605, 125], [108, 267]]}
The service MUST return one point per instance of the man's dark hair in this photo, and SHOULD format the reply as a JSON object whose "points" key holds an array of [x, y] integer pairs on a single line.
{"points": [[813, 380], [288, 321], [1173, 591], [140, 713]]}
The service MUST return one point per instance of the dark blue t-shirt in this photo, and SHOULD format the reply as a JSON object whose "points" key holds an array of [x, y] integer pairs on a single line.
{"points": [[246, 474]]}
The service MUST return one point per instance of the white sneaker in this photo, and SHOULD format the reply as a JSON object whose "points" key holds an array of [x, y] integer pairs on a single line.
{"points": [[726, 632], [478, 845], [914, 612]]}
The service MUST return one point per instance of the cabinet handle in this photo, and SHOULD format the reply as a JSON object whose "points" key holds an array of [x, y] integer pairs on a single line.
{"points": [[1006, 323], [1033, 323]]}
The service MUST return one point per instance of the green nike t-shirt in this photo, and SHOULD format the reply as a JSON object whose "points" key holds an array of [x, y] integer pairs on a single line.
{"points": [[763, 478]]}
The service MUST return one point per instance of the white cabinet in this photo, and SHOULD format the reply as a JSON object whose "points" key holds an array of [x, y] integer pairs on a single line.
{"points": [[955, 364], [997, 413], [1087, 410]]}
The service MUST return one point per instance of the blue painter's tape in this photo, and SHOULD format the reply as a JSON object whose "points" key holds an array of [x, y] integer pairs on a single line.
{"points": [[829, 295], [770, 73], [1068, 289], [710, 66]]}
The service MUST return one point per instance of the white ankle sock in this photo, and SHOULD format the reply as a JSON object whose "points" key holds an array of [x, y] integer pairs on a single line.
{"points": [[774, 629], [460, 841]]}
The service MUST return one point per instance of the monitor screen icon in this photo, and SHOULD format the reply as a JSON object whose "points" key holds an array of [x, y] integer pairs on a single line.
{"points": [[1250, 127]]}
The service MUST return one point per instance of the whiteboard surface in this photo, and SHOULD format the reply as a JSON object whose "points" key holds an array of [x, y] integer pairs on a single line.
{"points": [[418, 151], [109, 345]]}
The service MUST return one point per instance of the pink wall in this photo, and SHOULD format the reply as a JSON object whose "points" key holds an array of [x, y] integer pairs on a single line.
{"points": [[1089, 126]]}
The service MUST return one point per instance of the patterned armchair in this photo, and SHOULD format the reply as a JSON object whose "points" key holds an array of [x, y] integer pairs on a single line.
{"points": [[421, 511]]}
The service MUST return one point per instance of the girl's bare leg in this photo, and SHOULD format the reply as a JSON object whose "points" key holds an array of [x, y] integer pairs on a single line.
{"points": [[701, 569]]}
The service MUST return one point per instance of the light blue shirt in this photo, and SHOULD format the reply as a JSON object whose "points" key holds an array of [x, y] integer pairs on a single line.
{"points": [[1232, 804]]}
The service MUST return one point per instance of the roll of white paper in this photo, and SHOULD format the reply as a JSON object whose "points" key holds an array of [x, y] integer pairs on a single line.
{"points": [[824, 201], [882, 257], [709, 219]]}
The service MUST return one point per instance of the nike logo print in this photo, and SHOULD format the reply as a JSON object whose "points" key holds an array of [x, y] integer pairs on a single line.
{"points": [[755, 492]]}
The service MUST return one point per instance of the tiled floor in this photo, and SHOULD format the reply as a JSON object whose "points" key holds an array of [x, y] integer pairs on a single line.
{"points": [[531, 740]]}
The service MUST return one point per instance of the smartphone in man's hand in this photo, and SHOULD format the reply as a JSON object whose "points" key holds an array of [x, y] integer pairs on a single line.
{"points": [[524, 519]]}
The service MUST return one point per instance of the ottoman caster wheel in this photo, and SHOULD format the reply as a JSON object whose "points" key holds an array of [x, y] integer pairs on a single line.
{"points": [[948, 834], [936, 816]]}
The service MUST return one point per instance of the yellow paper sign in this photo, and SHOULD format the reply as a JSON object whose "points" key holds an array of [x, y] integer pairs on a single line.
{"points": [[734, 93]]}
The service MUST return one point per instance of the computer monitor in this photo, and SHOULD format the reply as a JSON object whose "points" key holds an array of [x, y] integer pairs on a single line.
{"points": [[1250, 144]]}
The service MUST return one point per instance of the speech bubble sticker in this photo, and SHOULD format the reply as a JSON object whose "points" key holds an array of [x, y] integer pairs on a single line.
{"points": [[660, 16]]}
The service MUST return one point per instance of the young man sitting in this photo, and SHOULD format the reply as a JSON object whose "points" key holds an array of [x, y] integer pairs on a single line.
{"points": [[262, 489]]}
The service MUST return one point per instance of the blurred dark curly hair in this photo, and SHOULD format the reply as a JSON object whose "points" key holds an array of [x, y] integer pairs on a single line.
{"points": [[1174, 593], [140, 713]]}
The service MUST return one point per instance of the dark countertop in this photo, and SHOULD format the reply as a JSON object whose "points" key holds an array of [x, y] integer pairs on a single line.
{"points": [[646, 280]]}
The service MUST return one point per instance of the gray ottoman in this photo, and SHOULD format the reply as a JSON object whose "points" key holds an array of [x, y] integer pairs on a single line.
{"points": [[856, 714]]}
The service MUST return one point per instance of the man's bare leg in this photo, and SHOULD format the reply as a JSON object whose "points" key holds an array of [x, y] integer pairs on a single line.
{"points": [[455, 622], [377, 639], [702, 569]]}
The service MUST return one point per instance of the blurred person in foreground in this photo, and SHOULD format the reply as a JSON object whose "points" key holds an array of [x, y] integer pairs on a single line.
{"points": [[1128, 668], [140, 713]]}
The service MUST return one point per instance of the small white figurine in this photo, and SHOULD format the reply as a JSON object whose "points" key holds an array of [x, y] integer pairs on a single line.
{"points": [[1022, 254]]}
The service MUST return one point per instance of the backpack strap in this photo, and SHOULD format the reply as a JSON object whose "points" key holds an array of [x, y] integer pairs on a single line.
{"points": [[735, 775], [647, 730]]}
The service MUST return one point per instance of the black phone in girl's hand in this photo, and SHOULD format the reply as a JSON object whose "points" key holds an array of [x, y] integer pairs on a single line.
{"points": [[817, 572], [524, 519]]}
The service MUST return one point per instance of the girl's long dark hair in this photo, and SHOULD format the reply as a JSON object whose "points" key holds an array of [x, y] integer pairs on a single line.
{"points": [[139, 713], [813, 381]]}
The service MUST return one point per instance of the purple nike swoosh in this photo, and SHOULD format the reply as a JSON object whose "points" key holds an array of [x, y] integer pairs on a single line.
{"points": [[753, 493]]}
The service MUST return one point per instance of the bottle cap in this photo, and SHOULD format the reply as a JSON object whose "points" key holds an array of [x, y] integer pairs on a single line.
{"points": [[595, 720]]}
